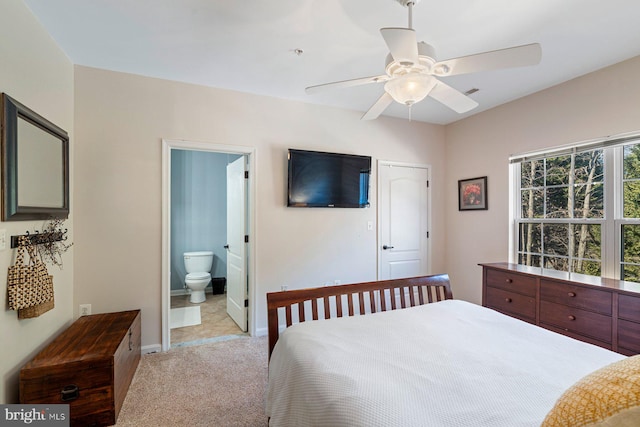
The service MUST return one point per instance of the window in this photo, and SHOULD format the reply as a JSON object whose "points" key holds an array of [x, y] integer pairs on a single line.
{"points": [[578, 209], [630, 227]]}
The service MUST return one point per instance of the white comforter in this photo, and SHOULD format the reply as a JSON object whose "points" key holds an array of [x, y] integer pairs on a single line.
{"points": [[450, 363]]}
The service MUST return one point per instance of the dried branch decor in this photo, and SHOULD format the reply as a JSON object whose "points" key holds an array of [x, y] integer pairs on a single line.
{"points": [[51, 250]]}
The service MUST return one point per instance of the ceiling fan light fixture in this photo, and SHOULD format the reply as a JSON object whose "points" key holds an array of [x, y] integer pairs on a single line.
{"points": [[410, 88]]}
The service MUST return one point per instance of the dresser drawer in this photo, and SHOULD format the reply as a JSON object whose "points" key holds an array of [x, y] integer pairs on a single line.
{"points": [[629, 335], [511, 302], [629, 307], [578, 337], [573, 319], [576, 296], [511, 282]]}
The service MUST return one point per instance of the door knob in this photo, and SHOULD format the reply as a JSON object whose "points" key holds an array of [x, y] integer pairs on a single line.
{"points": [[226, 246], [385, 247]]}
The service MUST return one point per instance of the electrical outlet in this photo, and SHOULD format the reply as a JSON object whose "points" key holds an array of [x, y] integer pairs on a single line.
{"points": [[3, 239], [284, 288], [85, 309]]}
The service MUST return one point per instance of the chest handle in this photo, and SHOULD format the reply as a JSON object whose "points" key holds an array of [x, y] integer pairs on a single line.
{"points": [[69, 393]]}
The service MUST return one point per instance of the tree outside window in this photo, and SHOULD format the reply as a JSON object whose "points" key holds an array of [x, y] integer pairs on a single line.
{"points": [[630, 262], [562, 200], [564, 223]]}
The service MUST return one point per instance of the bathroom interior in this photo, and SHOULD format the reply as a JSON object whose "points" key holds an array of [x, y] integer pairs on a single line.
{"points": [[198, 255]]}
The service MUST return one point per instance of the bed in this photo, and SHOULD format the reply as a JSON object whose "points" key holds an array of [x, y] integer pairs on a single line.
{"points": [[405, 353]]}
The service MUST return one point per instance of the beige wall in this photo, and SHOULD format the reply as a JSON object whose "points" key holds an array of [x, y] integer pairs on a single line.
{"points": [[120, 122], [37, 74], [606, 102]]}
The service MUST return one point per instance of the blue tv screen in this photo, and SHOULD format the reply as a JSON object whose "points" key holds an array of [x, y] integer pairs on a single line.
{"points": [[328, 180]]}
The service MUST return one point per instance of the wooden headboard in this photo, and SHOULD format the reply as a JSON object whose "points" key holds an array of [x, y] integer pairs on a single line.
{"points": [[368, 297]]}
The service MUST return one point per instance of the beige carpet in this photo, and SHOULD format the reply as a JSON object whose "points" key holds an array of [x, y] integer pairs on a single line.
{"points": [[215, 384]]}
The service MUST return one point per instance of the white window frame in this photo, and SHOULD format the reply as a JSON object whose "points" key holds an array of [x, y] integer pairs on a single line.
{"points": [[612, 221]]}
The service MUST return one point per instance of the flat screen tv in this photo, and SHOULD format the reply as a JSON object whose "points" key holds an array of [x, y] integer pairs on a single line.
{"points": [[328, 180]]}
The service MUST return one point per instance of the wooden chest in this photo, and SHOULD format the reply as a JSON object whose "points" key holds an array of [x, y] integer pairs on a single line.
{"points": [[89, 366]]}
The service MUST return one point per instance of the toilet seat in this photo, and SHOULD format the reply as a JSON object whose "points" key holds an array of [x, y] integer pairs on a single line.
{"points": [[198, 276]]}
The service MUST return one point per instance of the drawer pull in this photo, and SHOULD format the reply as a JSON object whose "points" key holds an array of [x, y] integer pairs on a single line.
{"points": [[509, 280], [572, 317], [572, 294], [508, 299], [130, 340], [69, 393]]}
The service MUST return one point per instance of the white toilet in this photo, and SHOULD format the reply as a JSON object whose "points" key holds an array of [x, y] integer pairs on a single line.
{"points": [[198, 266]]}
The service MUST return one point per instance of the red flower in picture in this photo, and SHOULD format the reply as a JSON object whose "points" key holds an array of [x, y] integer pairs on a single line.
{"points": [[471, 194]]}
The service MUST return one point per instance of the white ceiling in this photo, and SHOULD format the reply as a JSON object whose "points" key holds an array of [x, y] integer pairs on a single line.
{"points": [[249, 45]]}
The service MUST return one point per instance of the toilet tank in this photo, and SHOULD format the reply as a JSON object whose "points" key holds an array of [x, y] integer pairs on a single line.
{"points": [[198, 262]]}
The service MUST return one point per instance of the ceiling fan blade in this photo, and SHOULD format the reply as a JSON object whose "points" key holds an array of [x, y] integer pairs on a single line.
{"points": [[347, 83], [402, 44], [376, 109], [519, 56], [458, 102]]}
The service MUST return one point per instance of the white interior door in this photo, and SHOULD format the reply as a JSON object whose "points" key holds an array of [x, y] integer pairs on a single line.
{"points": [[236, 246], [403, 220]]}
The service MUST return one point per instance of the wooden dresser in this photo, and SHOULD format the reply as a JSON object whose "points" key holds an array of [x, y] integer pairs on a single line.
{"points": [[89, 366], [603, 312]]}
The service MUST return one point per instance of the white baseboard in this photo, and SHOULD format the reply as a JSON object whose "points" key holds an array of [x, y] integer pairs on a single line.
{"points": [[153, 348], [261, 332]]}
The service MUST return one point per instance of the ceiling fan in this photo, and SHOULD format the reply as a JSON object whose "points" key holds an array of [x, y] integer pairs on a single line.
{"points": [[411, 70]]}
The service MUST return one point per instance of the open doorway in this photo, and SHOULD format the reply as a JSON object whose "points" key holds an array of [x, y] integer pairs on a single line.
{"points": [[197, 177]]}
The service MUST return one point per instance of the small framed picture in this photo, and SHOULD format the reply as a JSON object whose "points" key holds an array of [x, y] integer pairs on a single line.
{"points": [[472, 194]]}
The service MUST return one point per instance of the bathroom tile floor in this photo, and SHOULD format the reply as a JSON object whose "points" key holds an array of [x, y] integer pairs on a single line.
{"points": [[215, 320]]}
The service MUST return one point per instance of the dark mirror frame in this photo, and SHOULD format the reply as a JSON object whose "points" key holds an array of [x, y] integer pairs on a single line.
{"points": [[11, 210]]}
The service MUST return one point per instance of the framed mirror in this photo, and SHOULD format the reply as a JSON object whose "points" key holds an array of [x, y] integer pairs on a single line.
{"points": [[35, 165]]}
